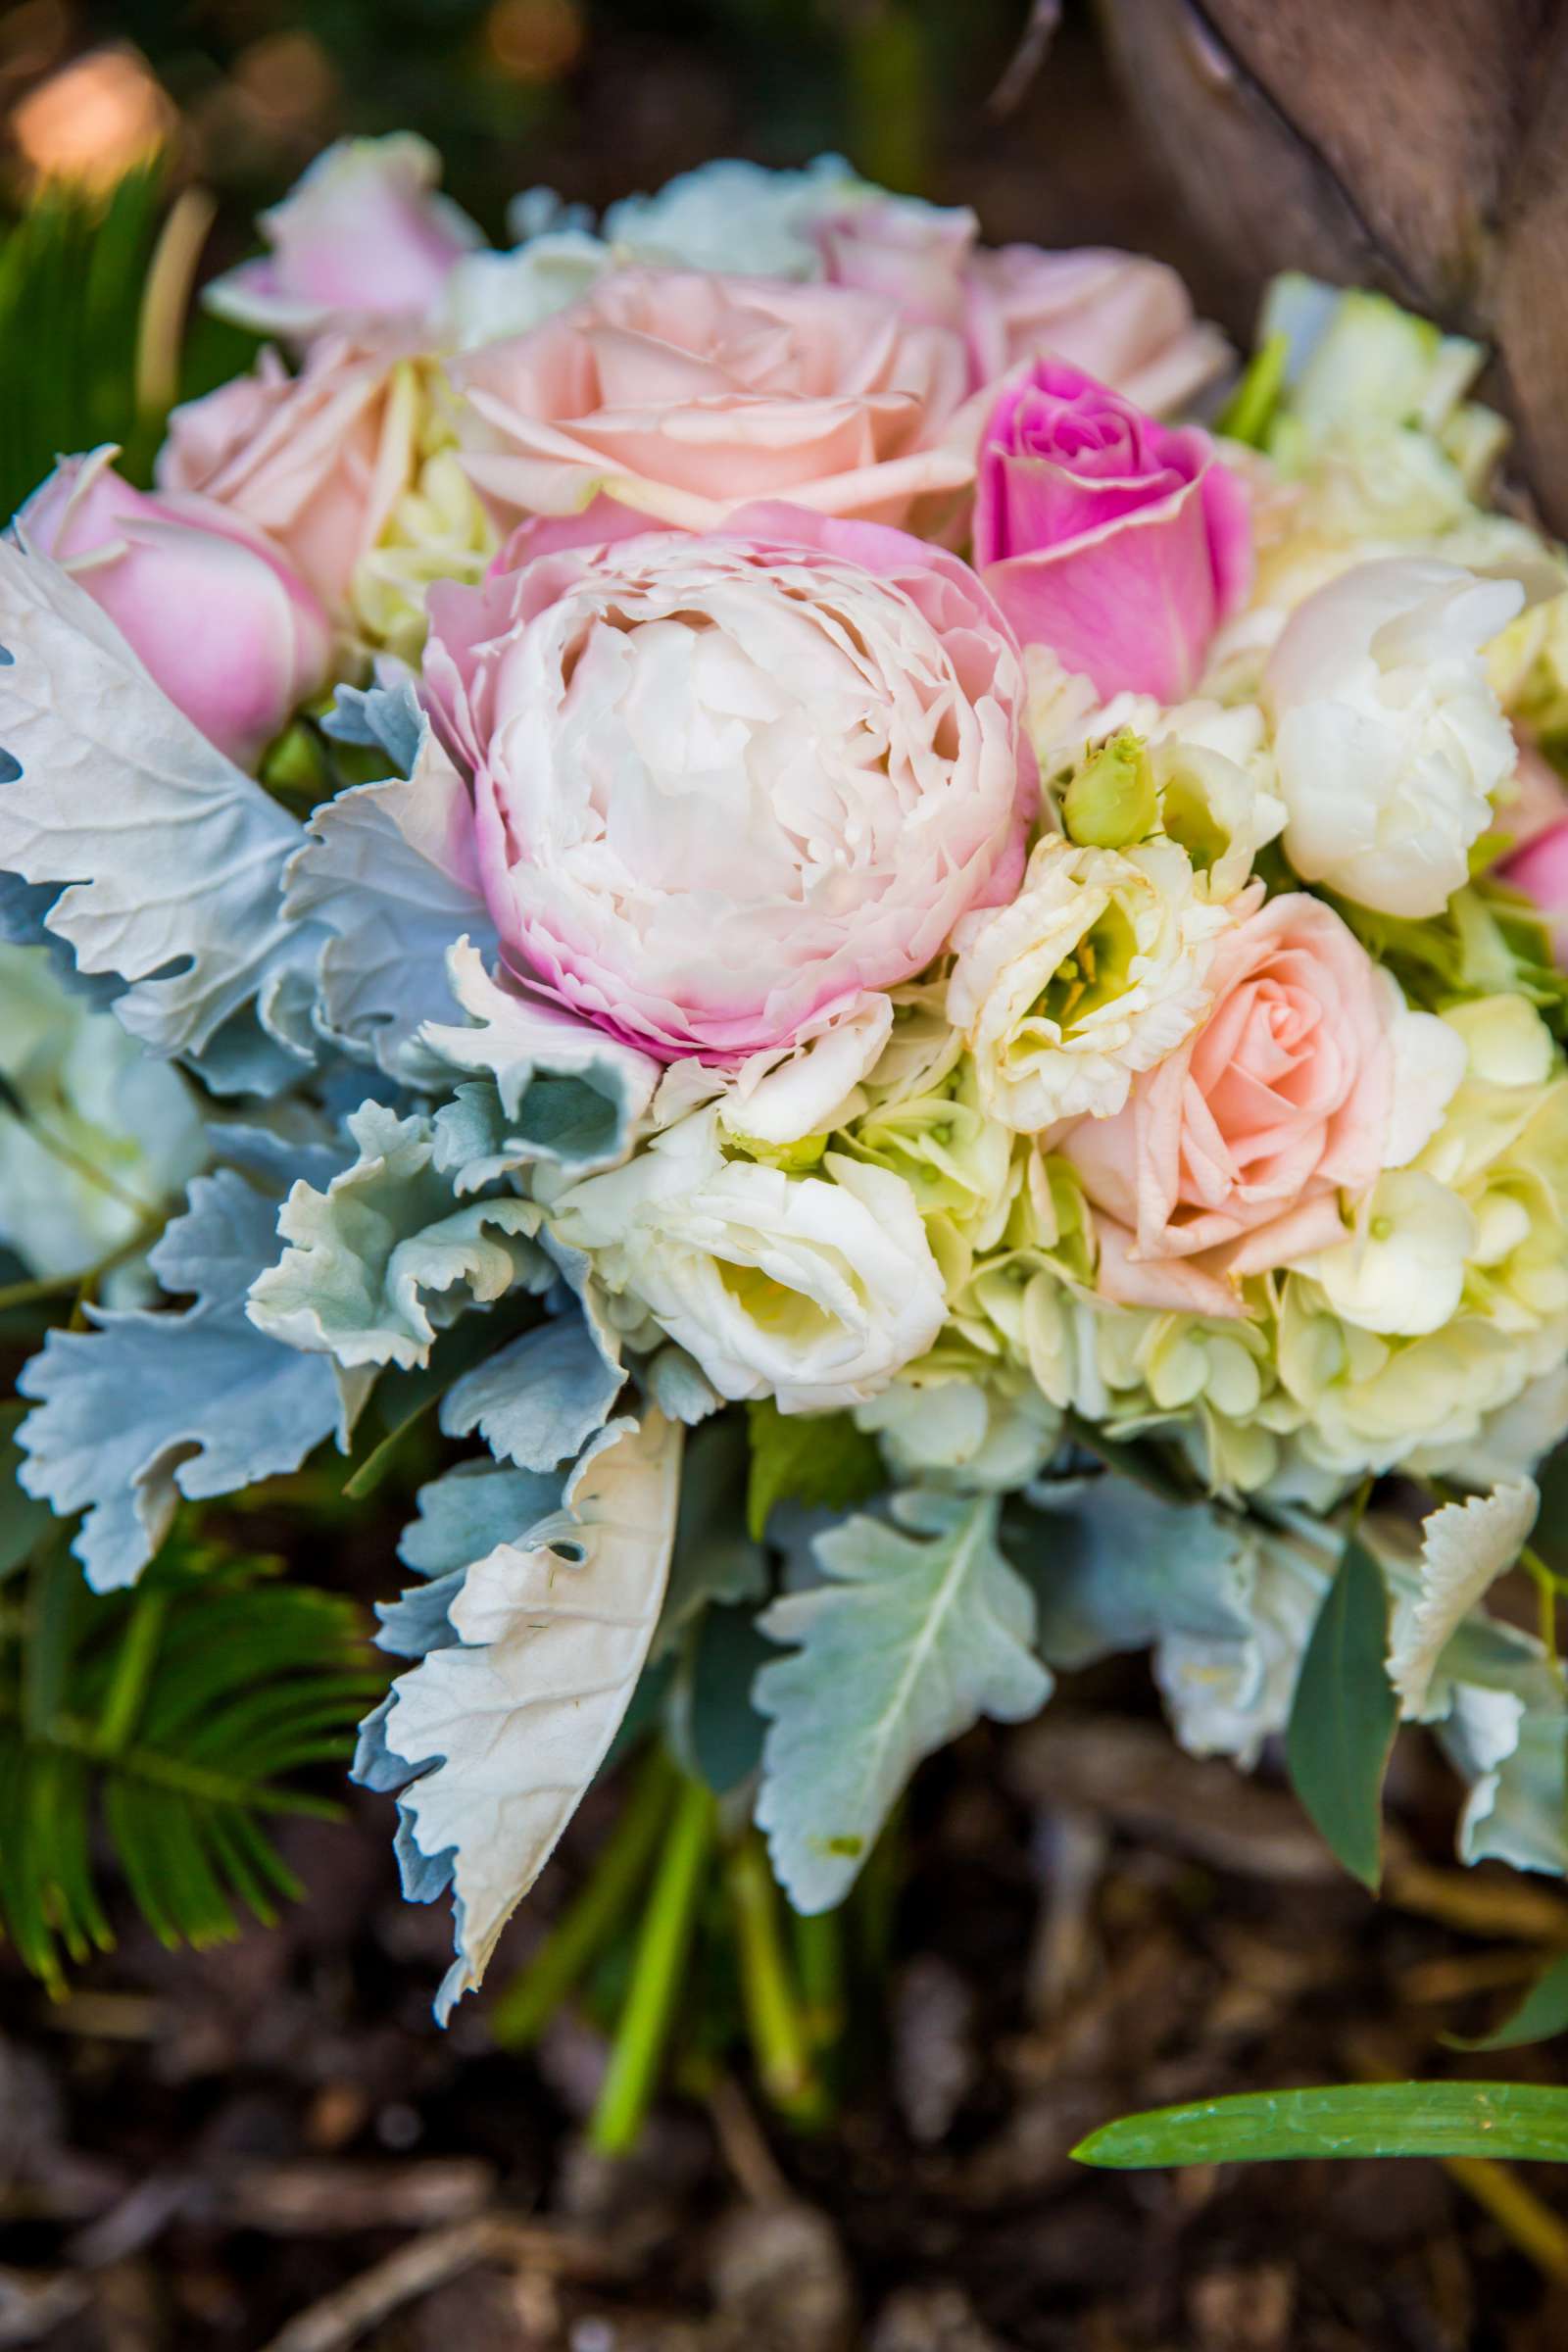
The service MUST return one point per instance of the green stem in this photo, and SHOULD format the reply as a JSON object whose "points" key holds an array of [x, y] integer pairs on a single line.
{"points": [[54, 1286], [819, 1965], [774, 2016], [538, 1990], [661, 1948], [1547, 1587], [1249, 412]]}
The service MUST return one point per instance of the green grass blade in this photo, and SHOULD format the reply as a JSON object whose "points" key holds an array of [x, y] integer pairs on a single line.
{"points": [[1523, 2122]]}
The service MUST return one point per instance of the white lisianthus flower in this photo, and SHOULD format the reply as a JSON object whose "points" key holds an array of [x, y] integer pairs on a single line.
{"points": [[1095, 972], [1388, 738], [815, 1290]]}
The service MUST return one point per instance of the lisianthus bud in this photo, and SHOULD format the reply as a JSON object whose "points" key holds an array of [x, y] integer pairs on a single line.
{"points": [[1112, 800]]}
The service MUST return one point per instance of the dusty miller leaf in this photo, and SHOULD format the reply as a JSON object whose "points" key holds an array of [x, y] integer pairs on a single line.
{"points": [[922, 1628], [506, 1729], [172, 858]]}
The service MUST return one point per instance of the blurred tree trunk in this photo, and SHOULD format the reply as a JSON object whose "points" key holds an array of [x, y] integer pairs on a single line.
{"points": [[1416, 145]]}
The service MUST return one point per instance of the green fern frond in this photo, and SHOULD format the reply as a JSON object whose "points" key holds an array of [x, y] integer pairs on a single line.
{"points": [[163, 1729]]}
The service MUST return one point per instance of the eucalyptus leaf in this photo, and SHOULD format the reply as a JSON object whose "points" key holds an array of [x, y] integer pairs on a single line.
{"points": [[1542, 2013], [1344, 1716]]}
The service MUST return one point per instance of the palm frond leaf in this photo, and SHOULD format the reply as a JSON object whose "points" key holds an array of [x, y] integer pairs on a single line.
{"points": [[161, 1732]]}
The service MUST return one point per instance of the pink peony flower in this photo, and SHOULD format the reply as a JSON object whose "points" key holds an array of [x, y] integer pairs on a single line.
{"points": [[686, 396], [725, 786], [315, 460], [362, 237], [1117, 542], [1308, 1076], [218, 618], [1120, 317], [1540, 871]]}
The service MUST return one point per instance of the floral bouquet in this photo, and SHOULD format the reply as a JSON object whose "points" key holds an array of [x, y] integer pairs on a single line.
{"points": [[915, 996]]}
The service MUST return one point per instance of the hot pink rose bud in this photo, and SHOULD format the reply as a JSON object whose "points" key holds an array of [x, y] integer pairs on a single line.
{"points": [[1540, 871], [1118, 542], [230, 633], [362, 235]]}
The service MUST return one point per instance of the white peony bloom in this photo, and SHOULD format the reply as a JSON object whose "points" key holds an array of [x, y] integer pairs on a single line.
{"points": [[736, 216], [105, 1137], [1095, 972], [815, 1290], [1388, 738]]}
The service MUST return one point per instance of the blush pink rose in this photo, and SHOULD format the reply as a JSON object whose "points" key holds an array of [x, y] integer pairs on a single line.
{"points": [[685, 396], [726, 786], [219, 619], [1231, 1154], [1540, 871], [1118, 316], [362, 236], [316, 459], [1119, 543]]}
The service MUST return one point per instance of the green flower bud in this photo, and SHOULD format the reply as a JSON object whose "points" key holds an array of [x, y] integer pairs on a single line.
{"points": [[1111, 801]]}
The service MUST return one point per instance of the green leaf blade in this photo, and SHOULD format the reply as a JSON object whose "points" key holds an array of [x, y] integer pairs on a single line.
{"points": [[1520, 2122], [1542, 2013], [820, 1460], [1344, 1717]]}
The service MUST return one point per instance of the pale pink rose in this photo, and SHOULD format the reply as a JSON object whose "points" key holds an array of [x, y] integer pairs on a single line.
{"points": [[1119, 543], [1118, 316], [315, 460], [362, 237], [1540, 871], [726, 786], [913, 254], [1230, 1156], [217, 617], [685, 396]]}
